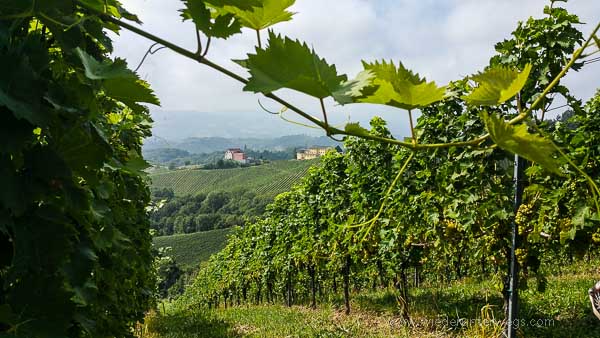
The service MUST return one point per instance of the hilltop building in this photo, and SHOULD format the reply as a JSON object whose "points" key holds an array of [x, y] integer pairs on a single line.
{"points": [[235, 154], [314, 152]]}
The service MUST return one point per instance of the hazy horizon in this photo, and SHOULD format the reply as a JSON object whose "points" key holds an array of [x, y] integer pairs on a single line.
{"points": [[179, 125]]}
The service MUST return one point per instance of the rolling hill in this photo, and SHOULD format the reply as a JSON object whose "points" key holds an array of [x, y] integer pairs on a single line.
{"points": [[204, 145], [189, 250], [268, 179]]}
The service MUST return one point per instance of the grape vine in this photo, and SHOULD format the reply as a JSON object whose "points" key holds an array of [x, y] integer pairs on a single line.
{"points": [[75, 247]]}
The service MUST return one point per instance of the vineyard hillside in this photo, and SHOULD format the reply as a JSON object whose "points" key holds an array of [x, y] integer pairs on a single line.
{"points": [[189, 250], [267, 180]]}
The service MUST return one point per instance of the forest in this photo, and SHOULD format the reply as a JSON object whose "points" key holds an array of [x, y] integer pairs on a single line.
{"points": [[203, 212]]}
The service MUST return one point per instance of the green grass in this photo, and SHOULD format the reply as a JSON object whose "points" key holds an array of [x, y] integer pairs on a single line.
{"points": [[563, 308], [268, 179], [269, 322], [189, 250]]}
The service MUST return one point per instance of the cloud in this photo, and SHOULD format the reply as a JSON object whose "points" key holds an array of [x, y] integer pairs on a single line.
{"points": [[441, 40]]}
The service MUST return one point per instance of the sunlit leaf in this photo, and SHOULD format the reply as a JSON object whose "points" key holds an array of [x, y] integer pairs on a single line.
{"points": [[355, 128], [400, 87], [242, 4], [267, 14], [518, 140], [497, 85]]}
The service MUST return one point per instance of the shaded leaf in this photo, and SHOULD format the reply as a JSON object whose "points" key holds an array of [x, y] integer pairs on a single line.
{"points": [[12, 194], [26, 110], [579, 219], [120, 83], [136, 163], [286, 63], [352, 89], [211, 23], [6, 314], [16, 8], [497, 85], [130, 92], [518, 140], [20, 89], [104, 70]]}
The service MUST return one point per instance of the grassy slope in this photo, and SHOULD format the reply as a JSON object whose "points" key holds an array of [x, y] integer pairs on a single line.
{"points": [[268, 179], [375, 314], [189, 250]]}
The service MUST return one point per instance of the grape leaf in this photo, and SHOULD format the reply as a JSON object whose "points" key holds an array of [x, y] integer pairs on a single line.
{"points": [[497, 85], [351, 89], [286, 63], [19, 83], [241, 4], [518, 140], [213, 24], [12, 194], [7, 316], [136, 163], [130, 92], [399, 87], [108, 7], [120, 83], [28, 110], [95, 70], [267, 14], [356, 129]]}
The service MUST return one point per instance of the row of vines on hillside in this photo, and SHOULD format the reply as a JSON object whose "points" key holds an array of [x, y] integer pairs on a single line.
{"points": [[268, 179], [74, 243], [309, 249], [370, 216]]}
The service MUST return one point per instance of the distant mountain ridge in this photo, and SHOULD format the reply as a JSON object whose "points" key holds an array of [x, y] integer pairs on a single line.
{"points": [[204, 145]]}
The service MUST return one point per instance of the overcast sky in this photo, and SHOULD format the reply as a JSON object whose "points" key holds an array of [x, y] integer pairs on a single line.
{"points": [[443, 40]]}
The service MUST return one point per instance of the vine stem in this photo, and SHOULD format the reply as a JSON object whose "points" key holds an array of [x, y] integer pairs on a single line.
{"points": [[258, 38], [207, 47], [328, 129], [324, 115], [198, 41], [412, 128], [295, 122], [387, 194]]}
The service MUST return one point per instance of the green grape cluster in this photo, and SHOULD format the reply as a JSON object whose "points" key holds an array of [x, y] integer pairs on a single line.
{"points": [[564, 224], [521, 255], [523, 214], [451, 227], [409, 240]]}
